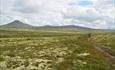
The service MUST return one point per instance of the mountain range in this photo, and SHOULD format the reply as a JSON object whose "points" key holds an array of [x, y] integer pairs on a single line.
{"points": [[20, 25]]}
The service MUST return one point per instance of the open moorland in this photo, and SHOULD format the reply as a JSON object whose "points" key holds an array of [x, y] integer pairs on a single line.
{"points": [[56, 50]]}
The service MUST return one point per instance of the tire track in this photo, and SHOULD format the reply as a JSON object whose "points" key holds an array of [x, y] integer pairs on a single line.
{"points": [[108, 56]]}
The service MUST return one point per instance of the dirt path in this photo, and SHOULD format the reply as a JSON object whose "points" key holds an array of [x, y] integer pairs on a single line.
{"points": [[110, 58]]}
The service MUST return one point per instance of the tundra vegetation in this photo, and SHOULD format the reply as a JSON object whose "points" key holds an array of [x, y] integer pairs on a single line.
{"points": [[54, 50]]}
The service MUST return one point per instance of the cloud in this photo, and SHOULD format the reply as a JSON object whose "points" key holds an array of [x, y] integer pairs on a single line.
{"points": [[106, 7], [89, 13], [82, 14], [45, 12], [100, 15], [23, 7]]}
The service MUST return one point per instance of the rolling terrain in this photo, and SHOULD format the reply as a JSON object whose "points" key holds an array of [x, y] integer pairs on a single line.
{"points": [[20, 25], [25, 47], [49, 50]]}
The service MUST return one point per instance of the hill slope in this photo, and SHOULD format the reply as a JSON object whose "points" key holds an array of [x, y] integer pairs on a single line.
{"points": [[20, 25], [16, 24]]}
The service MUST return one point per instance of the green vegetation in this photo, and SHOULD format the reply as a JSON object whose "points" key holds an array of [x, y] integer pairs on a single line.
{"points": [[107, 40], [52, 50]]}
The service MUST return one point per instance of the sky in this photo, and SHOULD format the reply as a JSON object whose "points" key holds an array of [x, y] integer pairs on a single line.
{"points": [[98, 14]]}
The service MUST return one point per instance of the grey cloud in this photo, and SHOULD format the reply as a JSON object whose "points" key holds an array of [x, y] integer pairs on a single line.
{"points": [[21, 6], [82, 17], [88, 15], [46, 12]]}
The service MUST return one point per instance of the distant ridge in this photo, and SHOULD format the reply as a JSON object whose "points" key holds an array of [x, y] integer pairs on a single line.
{"points": [[17, 24], [20, 25]]}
